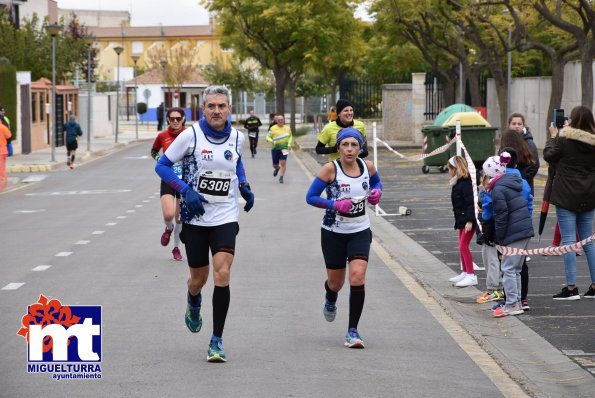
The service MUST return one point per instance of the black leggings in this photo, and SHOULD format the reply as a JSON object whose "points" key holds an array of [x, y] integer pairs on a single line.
{"points": [[253, 144]]}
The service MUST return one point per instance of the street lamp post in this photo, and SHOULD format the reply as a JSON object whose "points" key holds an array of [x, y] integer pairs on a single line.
{"points": [[135, 58], [163, 64], [53, 30], [118, 51], [89, 42]]}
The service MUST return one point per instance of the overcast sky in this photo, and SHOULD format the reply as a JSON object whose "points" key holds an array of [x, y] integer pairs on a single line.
{"points": [[149, 12]]}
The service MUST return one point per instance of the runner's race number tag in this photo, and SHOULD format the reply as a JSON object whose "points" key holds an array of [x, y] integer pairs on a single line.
{"points": [[252, 134], [357, 211], [177, 168], [284, 151], [214, 185]]}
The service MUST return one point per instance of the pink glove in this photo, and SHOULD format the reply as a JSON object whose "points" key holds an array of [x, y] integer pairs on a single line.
{"points": [[342, 206], [374, 197]]}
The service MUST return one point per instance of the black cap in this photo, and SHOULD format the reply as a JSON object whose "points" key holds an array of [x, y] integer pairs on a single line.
{"points": [[342, 104]]}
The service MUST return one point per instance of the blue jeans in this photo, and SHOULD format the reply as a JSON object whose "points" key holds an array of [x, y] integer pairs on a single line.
{"points": [[571, 222]]}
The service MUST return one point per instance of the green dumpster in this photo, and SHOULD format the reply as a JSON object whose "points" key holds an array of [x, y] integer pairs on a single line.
{"points": [[480, 141], [435, 137]]}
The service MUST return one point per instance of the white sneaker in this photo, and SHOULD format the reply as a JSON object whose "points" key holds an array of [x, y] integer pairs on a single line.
{"points": [[457, 278], [468, 280]]}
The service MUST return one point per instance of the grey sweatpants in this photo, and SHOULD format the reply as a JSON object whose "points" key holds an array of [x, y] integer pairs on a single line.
{"points": [[511, 270], [489, 255]]}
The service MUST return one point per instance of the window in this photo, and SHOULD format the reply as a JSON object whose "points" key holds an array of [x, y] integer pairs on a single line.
{"points": [[42, 102], [34, 107]]}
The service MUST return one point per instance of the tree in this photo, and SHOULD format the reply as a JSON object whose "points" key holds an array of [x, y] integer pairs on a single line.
{"points": [[181, 64], [283, 36], [30, 47], [576, 17], [236, 75]]}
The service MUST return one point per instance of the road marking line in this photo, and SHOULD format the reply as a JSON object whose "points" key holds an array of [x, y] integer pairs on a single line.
{"points": [[97, 232], [130, 211], [146, 201], [82, 242], [138, 206], [63, 254], [486, 364], [111, 224], [13, 286], [41, 268], [121, 217]]}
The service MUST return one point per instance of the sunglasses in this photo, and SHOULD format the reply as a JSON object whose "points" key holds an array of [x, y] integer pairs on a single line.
{"points": [[175, 118]]}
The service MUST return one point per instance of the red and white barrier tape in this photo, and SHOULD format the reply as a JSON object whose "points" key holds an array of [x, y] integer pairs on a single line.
{"points": [[419, 157], [550, 251], [506, 251]]}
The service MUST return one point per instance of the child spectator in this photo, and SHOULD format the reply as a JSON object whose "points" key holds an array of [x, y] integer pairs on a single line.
{"points": [[463, 206], [489, 253], [512, 204]]}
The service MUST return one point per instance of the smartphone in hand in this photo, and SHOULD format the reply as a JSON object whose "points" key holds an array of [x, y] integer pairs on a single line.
{"points": [[559, 118]]}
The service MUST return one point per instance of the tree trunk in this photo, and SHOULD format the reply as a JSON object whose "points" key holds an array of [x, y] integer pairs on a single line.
{"points": [[474, 88], [586, 75], [557, 88], [292, 105], [281, 78], [501, 86]]}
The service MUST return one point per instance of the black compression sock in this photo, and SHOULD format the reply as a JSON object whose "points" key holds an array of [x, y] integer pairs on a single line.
{"points": [[221, 297], [195, 301], [330, 295], [356, 304]]}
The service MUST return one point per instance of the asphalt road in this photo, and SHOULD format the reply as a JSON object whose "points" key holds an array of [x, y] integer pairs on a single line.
{"points": [[90, 236], [569, 326]]}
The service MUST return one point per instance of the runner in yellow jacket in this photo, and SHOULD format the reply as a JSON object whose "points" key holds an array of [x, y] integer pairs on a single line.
{"points": [[280, 137]]}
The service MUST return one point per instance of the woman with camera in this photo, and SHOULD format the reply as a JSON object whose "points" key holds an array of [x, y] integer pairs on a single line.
{"points": [[572, 149]]}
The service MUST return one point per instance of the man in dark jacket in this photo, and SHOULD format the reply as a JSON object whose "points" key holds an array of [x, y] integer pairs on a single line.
{"points": [[72, 131], [160, 113], [252, 124]]}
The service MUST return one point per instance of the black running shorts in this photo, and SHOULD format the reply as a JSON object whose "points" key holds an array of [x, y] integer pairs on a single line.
{"points": [[198, 240], [338, 249], [167, 190]]}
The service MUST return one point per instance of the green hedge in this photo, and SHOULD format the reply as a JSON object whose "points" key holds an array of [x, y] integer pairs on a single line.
{"points": [[8, 94]]}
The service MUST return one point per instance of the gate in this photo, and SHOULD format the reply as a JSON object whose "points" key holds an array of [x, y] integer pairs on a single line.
{"points": [[434, 96], [365, 95]]}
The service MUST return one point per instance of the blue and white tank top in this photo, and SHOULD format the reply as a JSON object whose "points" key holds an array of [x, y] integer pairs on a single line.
{"points": [[347, 187], [209, 167]]}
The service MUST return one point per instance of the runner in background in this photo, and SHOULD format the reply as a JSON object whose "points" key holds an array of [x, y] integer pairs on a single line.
{"points": [[170, 199]]}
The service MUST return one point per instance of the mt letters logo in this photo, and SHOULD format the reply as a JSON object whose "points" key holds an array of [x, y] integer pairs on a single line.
{"points": [[64, 341]]}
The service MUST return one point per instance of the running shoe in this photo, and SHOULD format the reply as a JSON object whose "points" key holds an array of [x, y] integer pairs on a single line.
{"points": [[329, 310], [353, 339], [281, 180], [590, 293], [497, 305], [177, 254], [71, 166], [276, 172], [505, 310], [566, 294], [193, 318], [215, 352], [490, 295], [525, 305], [166, 236]]}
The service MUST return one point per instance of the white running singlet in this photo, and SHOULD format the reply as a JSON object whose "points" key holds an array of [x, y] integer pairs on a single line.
{"points": [[209, 167], [346, 187]]}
